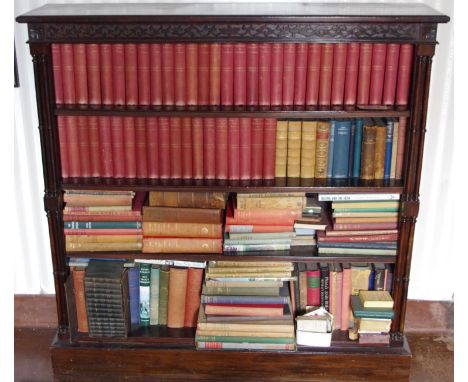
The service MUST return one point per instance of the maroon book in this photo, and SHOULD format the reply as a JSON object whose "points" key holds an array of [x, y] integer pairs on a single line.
{"points": [[257, 148], [313, 73], [93, 68], [63, 144], [269, 148], [179, 74], [245, 148], [233, 148], [252, 74], [203, 74], [352, 67], [227, 74], [404, 74], [83, 140], [191, 79], [105, 147], [57, 70], [197, 147], [164, 143], [215, 74], [167, 73], [107, 88], [240, 74], [391, 74], [152, 152], [140, 148], [143, 70], [264, 74], [187, 148], [118, 73], [94, 146], [73, 146], [155, 74], [175, 134], [68, 74], [209, 151], [81, 76], [276, 78], [300, 76], [131, 74], [339, 73], [221, 148], [379, 53], [118, 152], [129, 147], [326, 73], [289, 69], [365, 61]]}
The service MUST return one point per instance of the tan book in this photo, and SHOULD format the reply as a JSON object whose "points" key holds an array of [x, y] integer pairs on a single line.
{"points": [[172, 229], [368, 152], [346, 205], [257, 333], [321, 149], [287, 202], [176, 297], [367, 220], [188, 199], [394, 150], [181, 245], [373, 325], [281, 149], [235, 310], [242, 284], [294, 149], [359, 279], [245, 328], [379, 155], [308, 145], [376, 299], [243, 264], [365, 214], [73, 239], [97, 247]]}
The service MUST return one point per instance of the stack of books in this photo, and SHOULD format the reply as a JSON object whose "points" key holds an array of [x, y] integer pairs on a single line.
{"points": [[373, 312], [313, 219], [103, 220], [363, 224], [262, 222], [183, 222], [246, 305]]}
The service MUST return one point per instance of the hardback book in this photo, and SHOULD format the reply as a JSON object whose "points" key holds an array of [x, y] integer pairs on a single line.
{"points": [[308, 148], [340, 164], [281, 149], [373, 325], [154, 294], [182, 214], [134, 294], [145, 284], [192, 297], [359, 277], [313, 284], [78, 274], [325, 286], [294, 149], [176, 297], [321, 156], [368, 150], [360, 312], [187, 199], [376, 299], [163, 294], [331, 148]]}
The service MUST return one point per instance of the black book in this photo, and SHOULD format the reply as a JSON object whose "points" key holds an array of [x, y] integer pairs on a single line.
{"points": [[325, 285]]}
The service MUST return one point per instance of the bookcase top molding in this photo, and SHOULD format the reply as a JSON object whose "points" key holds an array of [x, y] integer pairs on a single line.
{"points": [[290, 22]]}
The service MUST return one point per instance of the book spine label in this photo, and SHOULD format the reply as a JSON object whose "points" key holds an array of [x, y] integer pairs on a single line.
{"points": [[300, 76], [326, 72], [227, 74], [93, 70], [63, 144], [93, 132], [203, 74], [321, 157], [73, 146], [331, 149], [168, 75], [276, 75], [294, 149], [107, 87], [179, 74], [68, 73], [240, 74], [368, 152], [187, 149], [131, 74], [57, 70], [175, 138], [352, 68], [401, 147], [197, 147], [85, 153], [140, 148], [192, 74], [152, 147], [257, 148], [233, 148], [209, 153], [339, 73], [289, 69], [379, 53], [269, 141], [365, 61], [379, 156], [313, 73], [264, 74], [388, 149], [129, 147], [118, 74], [404, 74], [391, 74], [144, 78], [215, 74], [155, 74], [81, 76], [252, 74], [281, 149], [221, 148], [245, 148], [164, 145]]}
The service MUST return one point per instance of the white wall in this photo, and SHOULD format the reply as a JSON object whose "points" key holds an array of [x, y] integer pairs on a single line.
{"points": [[432, 244]]}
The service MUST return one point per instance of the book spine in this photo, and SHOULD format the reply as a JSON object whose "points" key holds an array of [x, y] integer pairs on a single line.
{"points": [[164, 145], [118, 74], [331, 149], [215, 74], [107, 87], [352, 69], [240, 74], [275, 202], [179, 74], [379, 53], [404, 74], [394, 149], [365, 61], [245, 148], [68, 74], [221, 148], [187, 148], [176, 297], [209, 148], [289, 69], [338, 299], [326, 72], [129, 147], [339, 73], [233, 148], [105, 147], [80, 300], [269, 142], [391, 74], [81, 76], [167, 74], [401, 147], [341, 155], [94, 76], [252, 74], [182, 215], [357, 148], [156, 74], [350, 149], [181, 245], [84, 149], [163, 296], [197, 147], [276, 78], [264, 74], [92, 246], [134, 294], [143, 72], [145, 284], [357, 239], [280, 217], [152, 147], [294, 149], [203, 74], [131, 74], [192, 297], [313, 73], [192, 74], [140, 148], [57, 70], [63, 144], [175, 138], [281, 149], [364, 226], [103, 231], [321, 157], [93, 132], [227, 74], [368, 152], [345, 298], [379, 156], [300, 76], [388, 149], [308, 148], [73, 146], [313, 288], [154, 296], [257, 148]]}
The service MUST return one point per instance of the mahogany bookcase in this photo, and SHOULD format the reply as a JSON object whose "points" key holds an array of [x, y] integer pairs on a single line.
{"points": [[162, 354]]}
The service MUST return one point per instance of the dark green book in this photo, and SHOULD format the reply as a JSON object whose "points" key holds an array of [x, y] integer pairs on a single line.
{"points": [[360, 312], [101, 225], [163, 294]]}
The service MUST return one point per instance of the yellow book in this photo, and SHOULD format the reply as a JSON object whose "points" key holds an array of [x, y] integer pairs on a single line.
{"points": [[294, 149], [308, 144], [287, 202], [359, 278], [281, 149], [347, 205], [321, 149], [376, 299]]}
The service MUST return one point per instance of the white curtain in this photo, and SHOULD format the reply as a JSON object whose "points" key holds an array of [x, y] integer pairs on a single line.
{"points": [[432, 251]]}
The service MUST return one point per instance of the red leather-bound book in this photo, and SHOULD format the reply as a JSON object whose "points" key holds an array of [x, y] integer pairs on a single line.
{"points": [[197, 147], [93, 68], [269, 148], [131, 74], [379, 53], [252, 74], [155, 74], [107, 88], [326, 74], [404, 74], [227, 74], [400, 147], [187, 148], [94, 147], [140, 148], [118, 73], [313, 288], [179, 74], [68, 74], [339, 73], [391, 74], [276, 77], [105, 147], [257, 148], [73, 146], [63, 144], [289, 69], [245, 148], [314, 54], [164, 148], [300, 76], [203, 74], [129, 147], [57, 70], [365, 61], [240, 74], [152, 152], [215, 74], [221, 148], [83, 140], [175, 134], [81, 77], [118, 152], [352, 67], [233, 148], [191, 79], [143, 70], [209, 150], [167, 73], [264, 74]]}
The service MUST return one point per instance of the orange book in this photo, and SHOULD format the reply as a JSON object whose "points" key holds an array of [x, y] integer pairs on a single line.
{"points": [[176, 297], [192, 296], [80, 302]]}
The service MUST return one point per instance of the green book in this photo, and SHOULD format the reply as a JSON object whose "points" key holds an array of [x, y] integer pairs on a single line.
{"points": [[360, 312], [163, 294], [154, 295], [145, 283]]}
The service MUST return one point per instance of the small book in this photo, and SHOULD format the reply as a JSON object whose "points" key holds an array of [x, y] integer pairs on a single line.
{"points": [[376, 299]]}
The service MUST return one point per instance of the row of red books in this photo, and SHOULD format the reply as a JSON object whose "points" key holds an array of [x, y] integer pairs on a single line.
{"points": [[265, 74], [167, 147]]}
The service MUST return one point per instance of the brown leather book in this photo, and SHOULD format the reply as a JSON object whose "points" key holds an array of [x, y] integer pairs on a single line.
{"points": [[368, 151], [379, 155], [308, 147], [321, 149], [294, 149], [192, 296], [176, 298], [78, 274], [183, 215], [187, 199], [175, 229]]}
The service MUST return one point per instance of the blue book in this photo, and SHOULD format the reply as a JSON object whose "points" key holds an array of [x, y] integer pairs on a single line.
{"points": [[369, 245], [357, 148], [134, 294], [371, 277], [351, 149], [304, 231], [388, 149], [341, 149], [331, 148]]}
